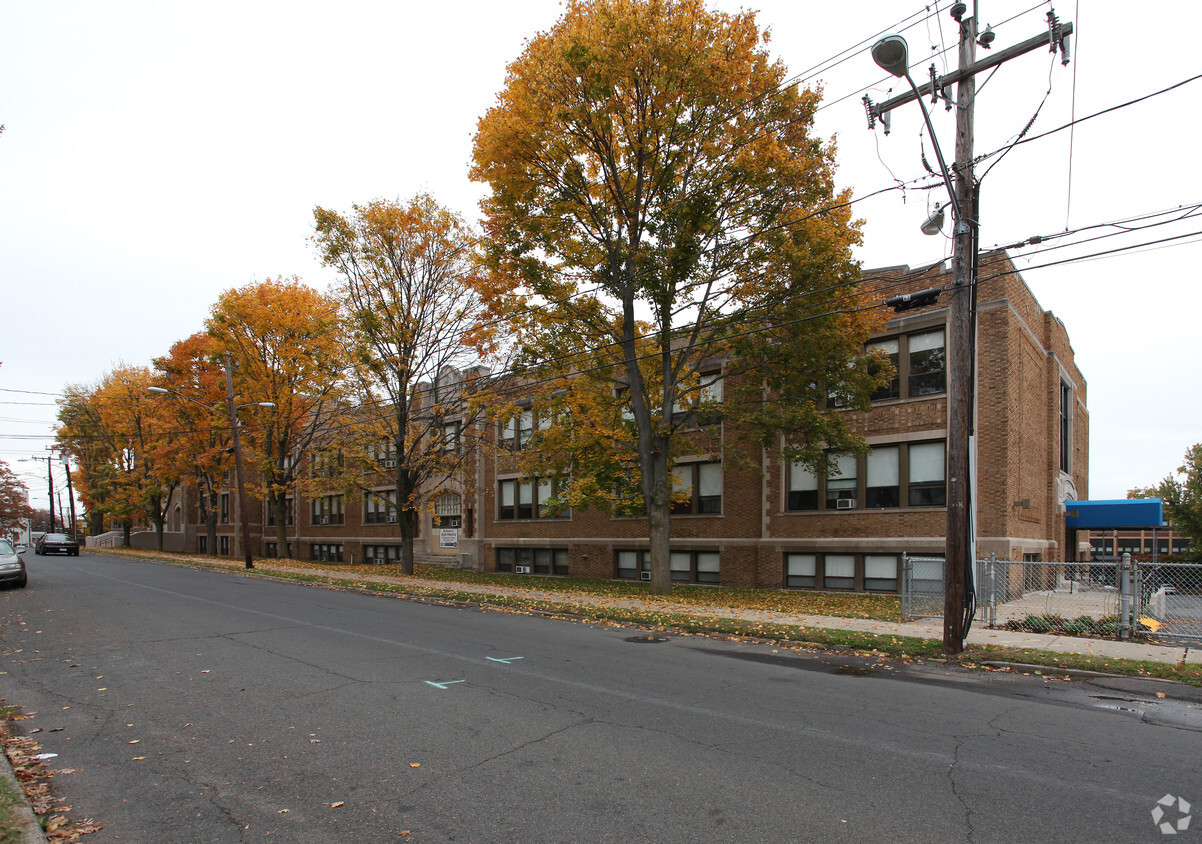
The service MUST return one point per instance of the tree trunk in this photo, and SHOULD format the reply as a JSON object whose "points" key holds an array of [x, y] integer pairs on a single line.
{"points": [[125, 529], [657, 496], [408, 521], [95, 523], [278, 502]]}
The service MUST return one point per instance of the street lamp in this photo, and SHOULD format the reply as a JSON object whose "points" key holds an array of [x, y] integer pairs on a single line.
{"points": [[892, 54], [233, 413]]}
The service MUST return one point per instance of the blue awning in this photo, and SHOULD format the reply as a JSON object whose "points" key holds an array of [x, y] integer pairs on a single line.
{"points": [[1121, 514]]}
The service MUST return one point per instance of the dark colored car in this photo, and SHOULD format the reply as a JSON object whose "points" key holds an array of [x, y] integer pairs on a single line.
{"points": [[12, 567], [56, 543]]}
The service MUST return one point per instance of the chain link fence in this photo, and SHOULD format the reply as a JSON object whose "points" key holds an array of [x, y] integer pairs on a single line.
{"points": [[1098, 598], [1170, 600]]}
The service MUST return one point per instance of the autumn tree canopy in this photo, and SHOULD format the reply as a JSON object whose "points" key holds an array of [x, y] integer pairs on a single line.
{"points": [[286, 346], [14, 503], [413, 308], [115, 431], [199, 446], [673, 245], [1181, 495]]}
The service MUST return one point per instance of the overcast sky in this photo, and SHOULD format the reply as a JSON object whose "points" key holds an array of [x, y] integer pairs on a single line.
{"points": [[156, 154]]}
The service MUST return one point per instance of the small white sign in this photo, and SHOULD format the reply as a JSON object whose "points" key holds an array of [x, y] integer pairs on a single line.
{"points": [[448, 538]]}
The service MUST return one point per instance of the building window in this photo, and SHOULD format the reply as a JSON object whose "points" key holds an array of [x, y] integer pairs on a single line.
{"points": [[288, 511], [225, 508], [889, 348], [271, 549], [224, 545], [528, 499], [517, 430], [702, 483], [450, 436], [803, 488], [685, 566], [842, 572], [325, 552], [327, 510], [886, 477], [882, 485], [880, 572], [384, 453], [927, 476], [546, 561], [379, 506], [1066, 400], [919, 363], [841, 481], [202, 545], [928, 360], [382, 555]]}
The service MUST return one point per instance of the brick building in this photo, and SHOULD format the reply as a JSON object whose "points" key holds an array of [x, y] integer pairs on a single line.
{"points": [[782, 526]]}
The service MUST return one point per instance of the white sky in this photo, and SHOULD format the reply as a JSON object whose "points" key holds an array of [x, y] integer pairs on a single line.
{"points": [[156, 154]]}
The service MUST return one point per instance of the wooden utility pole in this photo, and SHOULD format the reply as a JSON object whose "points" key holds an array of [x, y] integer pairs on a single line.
{"points": [[958, 546], [961, 330]]}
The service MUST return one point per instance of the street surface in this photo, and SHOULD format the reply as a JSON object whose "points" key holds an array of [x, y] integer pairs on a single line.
{"points": [[196, 706]]}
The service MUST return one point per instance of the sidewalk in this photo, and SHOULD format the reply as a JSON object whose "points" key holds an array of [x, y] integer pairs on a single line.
{"points": [[926, 628]]}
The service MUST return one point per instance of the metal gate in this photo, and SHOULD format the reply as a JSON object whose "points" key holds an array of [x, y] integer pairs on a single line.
{"points": [[1170, 600]]}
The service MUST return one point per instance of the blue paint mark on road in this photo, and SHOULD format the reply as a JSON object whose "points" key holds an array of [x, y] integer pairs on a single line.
{"points": [[444, 683], [506, 660]]}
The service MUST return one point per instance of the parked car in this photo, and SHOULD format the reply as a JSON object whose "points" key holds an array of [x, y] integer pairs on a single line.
{"points": [[12, 567], [56, 543]]}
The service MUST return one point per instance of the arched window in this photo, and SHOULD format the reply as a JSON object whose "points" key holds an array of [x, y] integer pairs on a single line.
{"points": [[447, 504]]}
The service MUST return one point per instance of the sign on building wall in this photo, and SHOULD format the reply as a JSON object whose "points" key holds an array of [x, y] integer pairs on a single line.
{"points": [[448, 538]]}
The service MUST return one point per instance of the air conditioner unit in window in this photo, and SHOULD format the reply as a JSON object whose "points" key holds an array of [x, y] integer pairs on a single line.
{"points": [[392, 518], [644, 575], [321, 520], [521, 569], [845, 504], [379, 561], [389, 464]]}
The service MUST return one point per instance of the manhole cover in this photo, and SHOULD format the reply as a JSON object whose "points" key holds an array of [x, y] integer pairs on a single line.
{"points": [[648, 640]]}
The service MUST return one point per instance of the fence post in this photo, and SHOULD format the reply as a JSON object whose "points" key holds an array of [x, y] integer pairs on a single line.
{"points": [[1125, 597], [906, 585], [992, 611]]}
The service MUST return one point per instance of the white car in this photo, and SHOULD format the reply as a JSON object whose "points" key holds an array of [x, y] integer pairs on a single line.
{"points": [[12, 567]]}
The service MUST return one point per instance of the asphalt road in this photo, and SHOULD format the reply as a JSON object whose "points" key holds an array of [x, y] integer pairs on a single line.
{"points": [[195, 706]]}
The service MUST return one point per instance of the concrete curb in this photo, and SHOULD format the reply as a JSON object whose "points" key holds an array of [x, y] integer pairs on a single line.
{"points": [[31, 829]]}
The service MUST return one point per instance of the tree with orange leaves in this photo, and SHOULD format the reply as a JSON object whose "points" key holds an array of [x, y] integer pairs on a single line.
{"points": [[414, 303], [287, 347], [199, 447], [675, 250], [116, 432]]}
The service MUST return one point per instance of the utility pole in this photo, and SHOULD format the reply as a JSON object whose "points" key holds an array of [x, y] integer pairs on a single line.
{"points": [[70, 496], [961, 331]]}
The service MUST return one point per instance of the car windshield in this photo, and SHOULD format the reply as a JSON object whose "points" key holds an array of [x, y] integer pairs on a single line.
{"points": [[6, 550], [57, 537]]}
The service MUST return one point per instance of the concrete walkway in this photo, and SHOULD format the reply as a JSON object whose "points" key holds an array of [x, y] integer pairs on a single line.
{"points": [[927, 628]]}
